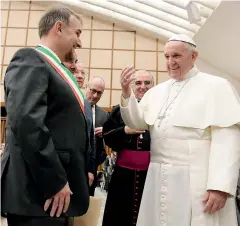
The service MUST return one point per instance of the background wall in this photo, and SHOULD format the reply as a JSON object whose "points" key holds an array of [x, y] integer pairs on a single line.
{"points": [[107, 47], [218, 43]]}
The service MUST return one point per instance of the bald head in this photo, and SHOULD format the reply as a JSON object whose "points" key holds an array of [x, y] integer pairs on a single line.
{"points": [[96, 80], [95, 89]]}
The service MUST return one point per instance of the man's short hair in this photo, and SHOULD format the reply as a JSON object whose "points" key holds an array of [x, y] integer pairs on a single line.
{"points": [[137, 73], [71, 57], [53, 15]]}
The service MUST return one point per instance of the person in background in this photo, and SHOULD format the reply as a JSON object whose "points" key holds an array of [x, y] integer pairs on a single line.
{"points": [[44, 174], [73, 65], [71, 62], [80, 74], [94, 92], [195, 147], [133, 157]]}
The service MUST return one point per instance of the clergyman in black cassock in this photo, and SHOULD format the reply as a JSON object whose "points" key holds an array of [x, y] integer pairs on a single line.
{"points": [[127, 181], [133, 157]]}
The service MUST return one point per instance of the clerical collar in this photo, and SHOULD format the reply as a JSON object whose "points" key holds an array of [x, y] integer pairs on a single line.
{"points": [[51, 52], [188, 75]]}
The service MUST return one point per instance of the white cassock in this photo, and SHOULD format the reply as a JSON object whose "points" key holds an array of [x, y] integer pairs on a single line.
{"points": [[195, 146]]}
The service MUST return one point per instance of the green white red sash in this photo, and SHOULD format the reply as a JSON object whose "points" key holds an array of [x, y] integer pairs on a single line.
{"points": [[64, 73]]}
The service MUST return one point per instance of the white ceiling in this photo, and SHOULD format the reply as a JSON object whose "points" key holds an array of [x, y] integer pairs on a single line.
{"points": [[218, 42], [158, 18]]}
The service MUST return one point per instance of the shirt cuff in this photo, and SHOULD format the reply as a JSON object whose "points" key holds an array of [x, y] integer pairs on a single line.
{"points": [[124, 102]]}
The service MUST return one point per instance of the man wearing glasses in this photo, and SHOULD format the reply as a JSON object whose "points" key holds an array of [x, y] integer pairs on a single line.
{"points": [[94, 92]]}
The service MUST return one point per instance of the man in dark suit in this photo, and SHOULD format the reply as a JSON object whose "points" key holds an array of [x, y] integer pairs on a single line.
{"points": [[44, 162], [94, 92], [77, 69]]}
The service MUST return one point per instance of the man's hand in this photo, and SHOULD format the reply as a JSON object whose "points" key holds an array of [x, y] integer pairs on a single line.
{"points": [[60, 201], [214, 200], [126, 78], [98, 131], [130, 131], [90, 178]]}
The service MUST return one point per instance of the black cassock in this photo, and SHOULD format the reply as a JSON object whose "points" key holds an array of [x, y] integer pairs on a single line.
{"points": [[128, 179]]}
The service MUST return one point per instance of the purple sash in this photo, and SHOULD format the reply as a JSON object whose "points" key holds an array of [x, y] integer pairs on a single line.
{"points": [[135, 160]]}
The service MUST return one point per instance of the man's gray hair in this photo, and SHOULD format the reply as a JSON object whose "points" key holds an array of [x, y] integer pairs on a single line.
{"points": [[52, 16], [137, 73], [191, 48]]}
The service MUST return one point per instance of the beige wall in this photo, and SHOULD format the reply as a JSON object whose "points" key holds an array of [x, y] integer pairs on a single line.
{"points": [[107, 48]]}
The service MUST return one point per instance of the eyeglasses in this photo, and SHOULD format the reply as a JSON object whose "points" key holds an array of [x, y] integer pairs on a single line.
{"points": [[146, 83], [93, 91]]}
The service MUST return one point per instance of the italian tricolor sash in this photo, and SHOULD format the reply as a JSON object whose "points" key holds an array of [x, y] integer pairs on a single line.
{"points": [[64, 73]]}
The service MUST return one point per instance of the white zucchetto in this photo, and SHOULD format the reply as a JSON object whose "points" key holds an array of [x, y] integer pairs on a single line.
{"points": [[182, 38]]}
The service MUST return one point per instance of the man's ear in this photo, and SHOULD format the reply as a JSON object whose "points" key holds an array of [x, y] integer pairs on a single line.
{"points": [[194, 55], [58, 27]]}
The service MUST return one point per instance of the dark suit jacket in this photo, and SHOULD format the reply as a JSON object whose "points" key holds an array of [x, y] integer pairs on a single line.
{"points": [[100, 118], [91, 149], [46, 139]]}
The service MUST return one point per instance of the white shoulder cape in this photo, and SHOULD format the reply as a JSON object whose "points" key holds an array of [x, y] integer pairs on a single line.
{"points": [[206, 100]]}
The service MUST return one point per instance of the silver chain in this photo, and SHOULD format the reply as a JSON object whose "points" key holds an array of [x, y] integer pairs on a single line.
{"points": [[168, 105]]}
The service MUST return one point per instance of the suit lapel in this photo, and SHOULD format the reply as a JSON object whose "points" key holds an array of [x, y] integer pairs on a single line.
{"points": [[97, 116], [88, 110]]}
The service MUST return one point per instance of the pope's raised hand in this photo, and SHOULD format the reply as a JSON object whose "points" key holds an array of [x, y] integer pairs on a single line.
{"points": [[126, 79]]}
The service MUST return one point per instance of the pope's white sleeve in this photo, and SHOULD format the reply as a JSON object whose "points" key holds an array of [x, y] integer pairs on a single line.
{"points": [[224, 159], [133, 113]]}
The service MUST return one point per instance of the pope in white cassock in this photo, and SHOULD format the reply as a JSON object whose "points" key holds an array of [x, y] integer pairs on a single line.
{"points": [[195, 142]]}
